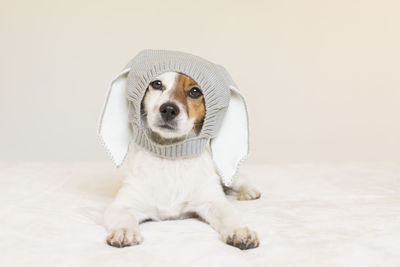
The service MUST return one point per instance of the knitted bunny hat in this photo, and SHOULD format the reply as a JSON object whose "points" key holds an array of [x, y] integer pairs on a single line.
{"points": [[225, 124]]}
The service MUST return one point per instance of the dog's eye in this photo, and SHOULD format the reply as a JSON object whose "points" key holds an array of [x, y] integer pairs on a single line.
{"points": [[156, 85], [195, 93]]}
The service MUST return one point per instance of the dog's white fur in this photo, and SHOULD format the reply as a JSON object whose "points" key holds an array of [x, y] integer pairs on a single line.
{"points": [[159, 189]]}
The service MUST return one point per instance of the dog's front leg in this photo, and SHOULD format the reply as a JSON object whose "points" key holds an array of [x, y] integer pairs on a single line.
{"points": [[123, 227], [223, 217]]}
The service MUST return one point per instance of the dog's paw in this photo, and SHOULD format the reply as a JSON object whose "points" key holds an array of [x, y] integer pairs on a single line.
{"points": [[242, 238], [247, 192], [123, 238]]}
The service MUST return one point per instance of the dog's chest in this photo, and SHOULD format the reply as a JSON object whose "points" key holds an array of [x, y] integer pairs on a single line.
{"points": [[167, 187]]}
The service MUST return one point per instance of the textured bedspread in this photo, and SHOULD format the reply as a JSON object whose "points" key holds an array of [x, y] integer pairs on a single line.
{"points": [[308, 215]]}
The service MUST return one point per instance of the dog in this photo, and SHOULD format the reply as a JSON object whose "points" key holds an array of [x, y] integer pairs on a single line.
{"points": [[157, 188]]}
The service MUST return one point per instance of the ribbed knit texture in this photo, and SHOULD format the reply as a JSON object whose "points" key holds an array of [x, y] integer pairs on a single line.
{"points": [[213, 80]]}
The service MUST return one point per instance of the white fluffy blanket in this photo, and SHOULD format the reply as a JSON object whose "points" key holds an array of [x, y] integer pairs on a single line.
{"points": [[308, 215]]}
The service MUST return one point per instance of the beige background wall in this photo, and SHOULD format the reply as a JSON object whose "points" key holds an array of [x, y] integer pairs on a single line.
{"points": [[321, 77]]}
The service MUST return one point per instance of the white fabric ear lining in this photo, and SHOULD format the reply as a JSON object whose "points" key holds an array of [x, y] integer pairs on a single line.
{"points": [[231, 146], [114, 129]]}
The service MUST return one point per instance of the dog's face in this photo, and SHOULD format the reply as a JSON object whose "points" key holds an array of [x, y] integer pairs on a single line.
{"points": [[173, 106]]}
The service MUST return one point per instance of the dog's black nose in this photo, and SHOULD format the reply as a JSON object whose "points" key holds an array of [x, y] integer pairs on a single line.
{"points": [[169, 111]]}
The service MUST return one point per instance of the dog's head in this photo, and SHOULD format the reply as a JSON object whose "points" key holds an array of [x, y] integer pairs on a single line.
{"points": [[176, 105], [173, 107]]}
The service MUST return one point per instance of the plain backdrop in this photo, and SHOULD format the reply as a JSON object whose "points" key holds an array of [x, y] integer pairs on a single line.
{"points": [[321, 77]]}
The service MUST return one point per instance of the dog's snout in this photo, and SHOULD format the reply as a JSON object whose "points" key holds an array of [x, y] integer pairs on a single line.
{"points": [[169, 111]]}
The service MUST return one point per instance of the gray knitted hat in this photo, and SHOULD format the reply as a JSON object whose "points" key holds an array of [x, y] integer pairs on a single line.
{"points": [[225, 124]]}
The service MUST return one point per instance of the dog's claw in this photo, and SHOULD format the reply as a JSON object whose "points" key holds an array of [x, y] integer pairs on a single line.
{"points": [[242, 238], [123, 238], [248, 193]]}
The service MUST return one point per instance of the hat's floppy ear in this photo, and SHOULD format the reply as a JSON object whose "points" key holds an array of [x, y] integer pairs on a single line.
{"points": [[114, 128], [231, 146]]}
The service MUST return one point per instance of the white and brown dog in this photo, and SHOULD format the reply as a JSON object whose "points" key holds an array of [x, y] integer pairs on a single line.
{"points": [[174, 109]]}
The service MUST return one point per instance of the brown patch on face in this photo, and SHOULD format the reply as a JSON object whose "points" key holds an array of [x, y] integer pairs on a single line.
{"points": [[195, 107]]}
